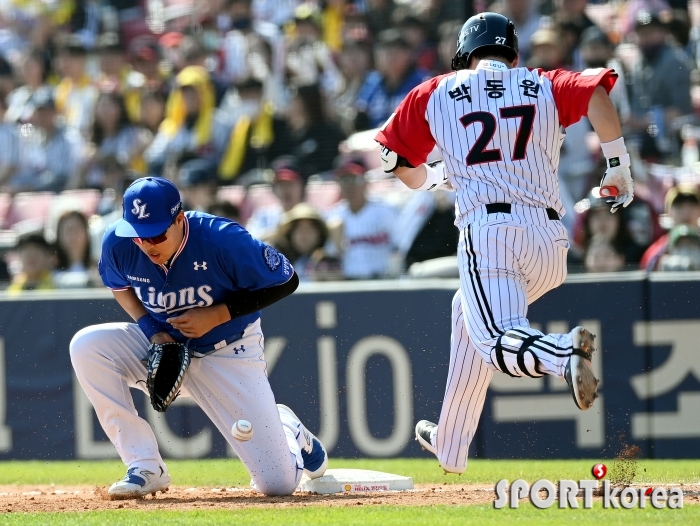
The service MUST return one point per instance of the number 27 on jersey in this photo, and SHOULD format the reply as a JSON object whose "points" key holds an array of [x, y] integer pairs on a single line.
{"points": [[479, 153]]}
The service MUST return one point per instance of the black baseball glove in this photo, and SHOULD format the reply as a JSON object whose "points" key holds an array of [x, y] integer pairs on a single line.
{"points": [[167, 365]]}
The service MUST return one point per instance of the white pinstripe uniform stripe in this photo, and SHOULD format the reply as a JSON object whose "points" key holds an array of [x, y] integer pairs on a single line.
{"points": [[506, 260]]}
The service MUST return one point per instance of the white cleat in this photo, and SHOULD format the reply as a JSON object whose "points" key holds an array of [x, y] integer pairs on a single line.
{"points": [[312, 451], [579, 374], [139, 482], [424, 430]]}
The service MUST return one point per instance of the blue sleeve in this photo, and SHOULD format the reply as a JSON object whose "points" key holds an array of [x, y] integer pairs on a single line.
{"points": [[250, 263], [110, 273]]}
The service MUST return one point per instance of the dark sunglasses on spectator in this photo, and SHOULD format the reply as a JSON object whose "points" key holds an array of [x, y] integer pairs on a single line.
{"points": [[156, 240]]}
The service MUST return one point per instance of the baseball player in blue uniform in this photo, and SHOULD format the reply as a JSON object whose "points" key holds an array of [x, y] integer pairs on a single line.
{"points": [[196, 278]]}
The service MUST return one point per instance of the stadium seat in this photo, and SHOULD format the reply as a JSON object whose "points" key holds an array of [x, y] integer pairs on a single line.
{"points": [[86, 201], [30, 206]]}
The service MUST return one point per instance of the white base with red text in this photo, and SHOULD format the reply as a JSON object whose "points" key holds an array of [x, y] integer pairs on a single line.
{"points": [[355, 481]]}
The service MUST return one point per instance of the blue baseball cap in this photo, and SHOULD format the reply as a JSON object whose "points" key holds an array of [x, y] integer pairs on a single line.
{"points": [[150, 206]]}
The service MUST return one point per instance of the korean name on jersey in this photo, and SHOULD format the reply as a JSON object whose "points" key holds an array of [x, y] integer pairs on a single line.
{"points": [[499, 130]]}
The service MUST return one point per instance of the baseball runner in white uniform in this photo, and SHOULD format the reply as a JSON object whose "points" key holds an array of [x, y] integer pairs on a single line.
{"points": [[200, 279], [499, 128]]}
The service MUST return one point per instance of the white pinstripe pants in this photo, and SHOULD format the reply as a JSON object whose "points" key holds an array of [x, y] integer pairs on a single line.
{"points": [[506, 263]]}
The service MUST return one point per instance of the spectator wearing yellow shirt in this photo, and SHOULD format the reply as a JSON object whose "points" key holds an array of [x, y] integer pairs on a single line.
{"points": [[75, 94], [332, 20], [189, 116], [38, 261], [59, 12], [251, 136]]}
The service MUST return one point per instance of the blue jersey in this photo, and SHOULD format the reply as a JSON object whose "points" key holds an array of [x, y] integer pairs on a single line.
{"points": [[217, 257], [375, 99]]}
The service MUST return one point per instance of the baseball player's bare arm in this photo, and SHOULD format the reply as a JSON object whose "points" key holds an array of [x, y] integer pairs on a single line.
{"points": [[603, 116], [601, 113], [422, 177], [128, 301], [617, 182], [414, 178], [132, 305], [192, 323], [197, 322]]}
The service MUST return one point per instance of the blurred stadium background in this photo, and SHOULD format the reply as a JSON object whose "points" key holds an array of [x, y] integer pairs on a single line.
{"points": [[264, 111]]}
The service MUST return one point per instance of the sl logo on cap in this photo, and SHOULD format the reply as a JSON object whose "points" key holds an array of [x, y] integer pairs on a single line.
{"points": [[139, 209]]}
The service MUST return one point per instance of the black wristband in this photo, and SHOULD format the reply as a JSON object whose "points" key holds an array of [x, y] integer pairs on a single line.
{"points": [[243, 302]]}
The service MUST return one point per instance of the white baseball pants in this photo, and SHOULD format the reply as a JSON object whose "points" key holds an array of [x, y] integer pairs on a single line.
{"points": [[506, 262], [228, 384]]}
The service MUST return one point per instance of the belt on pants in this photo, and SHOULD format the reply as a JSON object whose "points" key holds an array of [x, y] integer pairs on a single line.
{"points": [[200, 352], [205, 349], [504, 208]]}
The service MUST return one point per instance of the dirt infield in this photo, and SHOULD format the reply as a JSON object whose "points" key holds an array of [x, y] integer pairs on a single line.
{"points": [[82, 498], [87, 498]]}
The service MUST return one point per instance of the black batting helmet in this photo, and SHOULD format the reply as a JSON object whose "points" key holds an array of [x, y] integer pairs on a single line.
{"points": [[486, 31]]}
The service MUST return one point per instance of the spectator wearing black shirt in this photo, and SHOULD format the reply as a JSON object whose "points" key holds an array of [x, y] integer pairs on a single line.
{"points": [[314, 139], [660, 90]]}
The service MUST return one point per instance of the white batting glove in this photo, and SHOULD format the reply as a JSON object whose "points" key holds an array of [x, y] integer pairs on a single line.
{"points": [[617, 175], [436, 177], [620, 178]]}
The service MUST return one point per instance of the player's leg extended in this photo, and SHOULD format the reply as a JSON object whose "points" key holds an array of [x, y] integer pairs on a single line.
{"points": [[468, 379], [231, 384], [107, 361], [502, 266]]}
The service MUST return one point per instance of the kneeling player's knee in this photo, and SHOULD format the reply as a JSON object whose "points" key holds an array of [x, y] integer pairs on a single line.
{"points": [[277, 487], [84, 343]]}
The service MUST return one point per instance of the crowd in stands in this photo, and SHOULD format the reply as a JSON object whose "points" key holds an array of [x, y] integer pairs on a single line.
{"points": [[262, 111]]}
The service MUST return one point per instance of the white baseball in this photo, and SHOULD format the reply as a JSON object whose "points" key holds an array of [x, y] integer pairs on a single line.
{"points": [[242, 430]]}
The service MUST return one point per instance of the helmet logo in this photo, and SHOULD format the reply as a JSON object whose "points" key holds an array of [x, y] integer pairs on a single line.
{"points": [[471, 29], [139, 210]]}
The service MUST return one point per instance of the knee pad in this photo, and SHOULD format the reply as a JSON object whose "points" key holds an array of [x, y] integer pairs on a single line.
{"points": [[513, 355]]}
